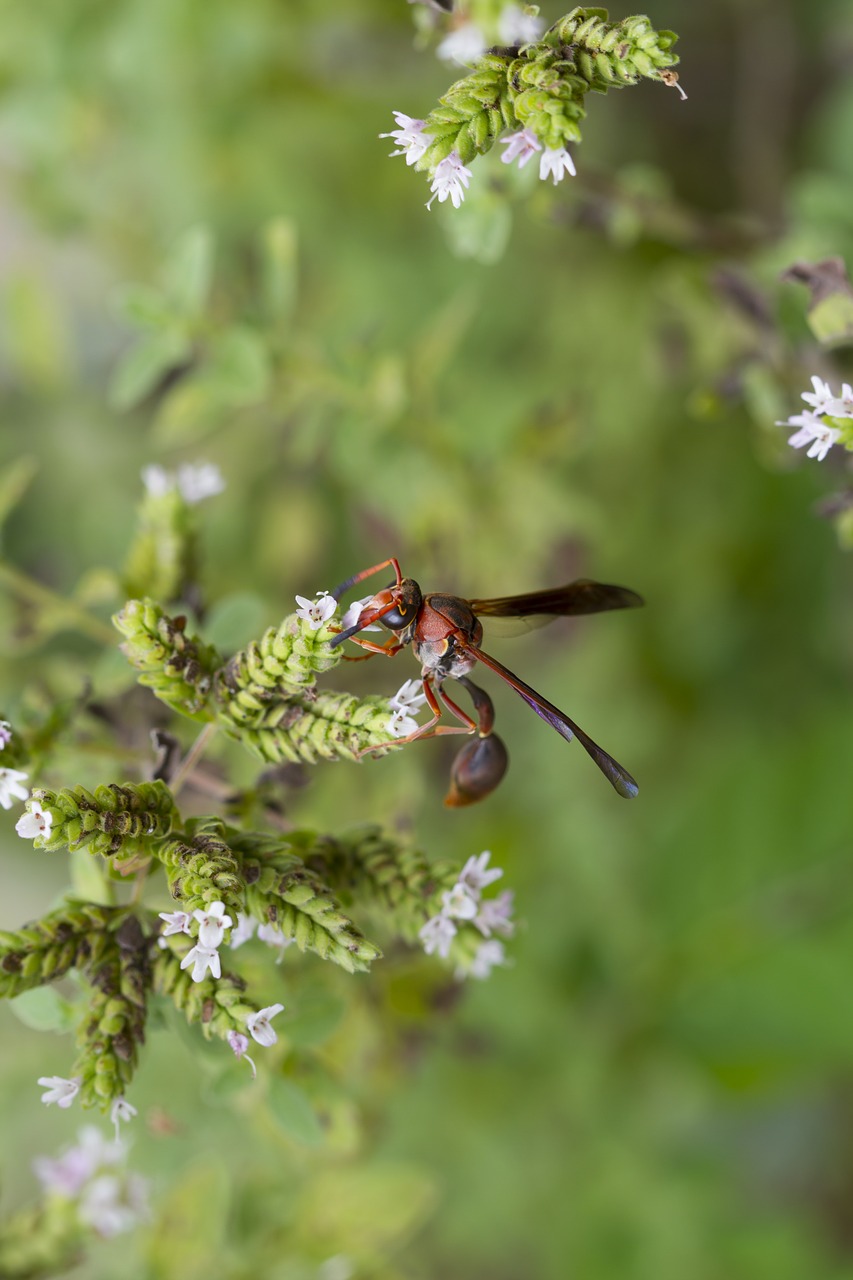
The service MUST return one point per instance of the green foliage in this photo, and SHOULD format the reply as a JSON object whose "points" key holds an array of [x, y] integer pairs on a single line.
{"points": [[542, 86], [540, 384], [113, 820], [177, 667]]}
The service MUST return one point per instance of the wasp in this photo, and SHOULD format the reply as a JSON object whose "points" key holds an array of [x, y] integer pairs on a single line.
{"points": [[445, 633]]}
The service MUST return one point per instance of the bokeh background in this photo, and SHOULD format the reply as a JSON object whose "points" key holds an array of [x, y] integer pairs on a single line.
{"points": [[550, 383]]}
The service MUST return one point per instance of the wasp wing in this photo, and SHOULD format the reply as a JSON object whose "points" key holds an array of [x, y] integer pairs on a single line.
{"points": [[619, 778], [575, 598]]}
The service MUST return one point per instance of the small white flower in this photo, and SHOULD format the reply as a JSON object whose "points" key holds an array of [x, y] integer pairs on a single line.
{"points": [[463, 45], [35, 823], [70, 1171], [273, 937], [517, 27], [411, 141], [10, 787], [158, 482], [812, 432], [556, 164], [176, 922], [354, 612], [437, 935], [495, 915], [316, 612], [5, 734], [240, 1043], [488, 955], [401, 726], [843, 407], [450, 180], [822, 442], [66, 1175], [121, 1111], [202, 959], [259, 1024], [212, 924], [477, 874], [59, 1090], [195, 481], [821, 399], [409, 696], [112, 1205], [199, 480], [459, 902], [521, 146], [243, 931]]}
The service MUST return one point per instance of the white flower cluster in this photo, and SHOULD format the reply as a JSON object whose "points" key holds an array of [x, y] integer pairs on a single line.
{"points": [[63, 1091], [35, 822], [467, 42], [93, 1176], [814, 430], [212, 924], [194, 481], [450, 178], [316, 612], [464, 903], [247, 927], [321, 609], [10, 779], [408, 698]]}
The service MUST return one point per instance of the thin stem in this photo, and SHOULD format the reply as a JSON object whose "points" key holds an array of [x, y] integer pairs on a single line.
{"points": [[77, 617], [189, 762]]}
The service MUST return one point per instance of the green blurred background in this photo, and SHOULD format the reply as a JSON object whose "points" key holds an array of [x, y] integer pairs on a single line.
{"points": [[550, 383]]}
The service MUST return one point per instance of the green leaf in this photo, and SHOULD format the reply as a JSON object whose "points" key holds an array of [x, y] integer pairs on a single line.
{"points": [[235, 374], [44, 1009], [238, 366], [146, 365], [191, 1223], [369, 1208], [147, 308], [88, 879], [15, 479], [293, 1112], [315, 1019], [36, 340], [831, 321], [279, 267], [234, 620], [189, 271]]}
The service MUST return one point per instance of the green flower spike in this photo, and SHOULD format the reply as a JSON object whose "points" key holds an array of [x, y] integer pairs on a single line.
{"points": [[111, 820], [178, 668], [332, 726], [163, 558], [42, 1241], [539, 87], [282, 665], [113, 1029], [216, 1003], [283, 891], [76, 936], [201, 868], [368, 867]]}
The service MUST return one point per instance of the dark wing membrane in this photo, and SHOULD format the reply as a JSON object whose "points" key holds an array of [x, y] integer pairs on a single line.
{"points": [[582, 596], [619, 778]]}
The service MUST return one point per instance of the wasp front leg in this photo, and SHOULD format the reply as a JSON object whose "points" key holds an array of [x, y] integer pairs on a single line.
{"points": [[432, 729], [389, 650]]}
